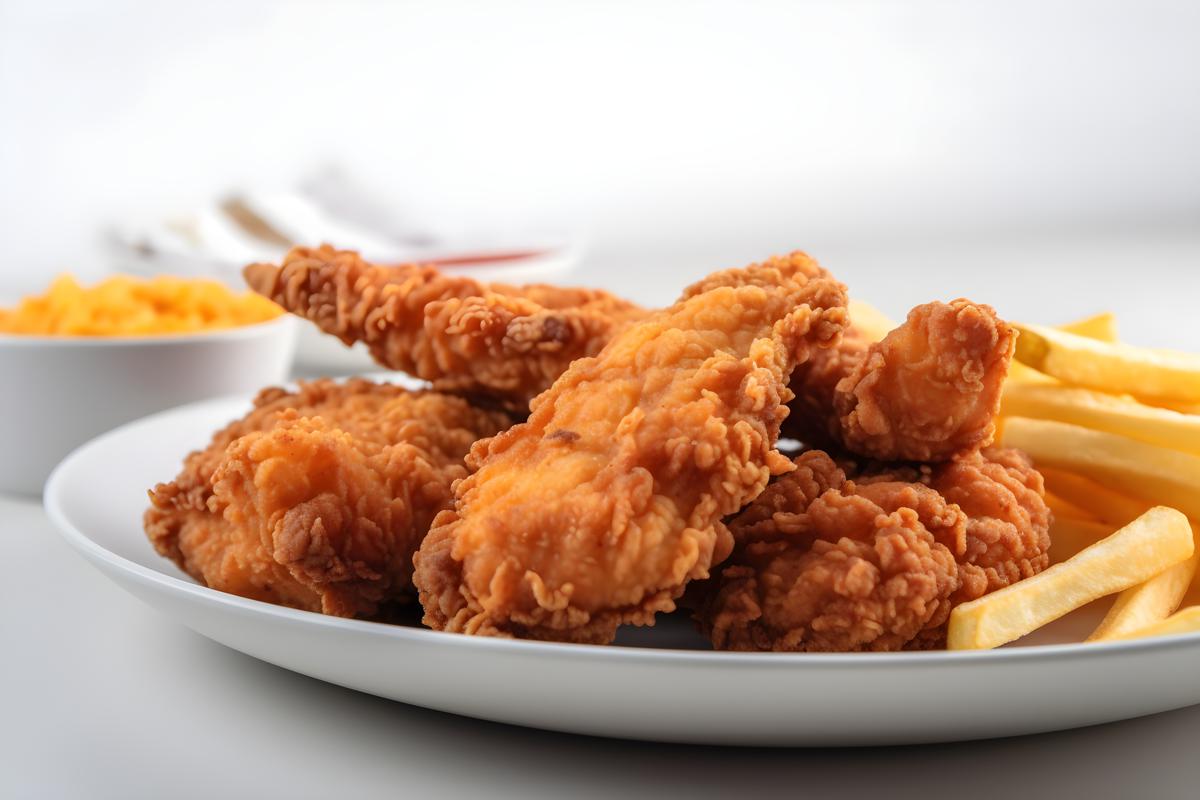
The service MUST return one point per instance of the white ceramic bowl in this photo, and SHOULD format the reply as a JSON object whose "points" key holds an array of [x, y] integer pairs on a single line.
{"points": [[58, 392]]}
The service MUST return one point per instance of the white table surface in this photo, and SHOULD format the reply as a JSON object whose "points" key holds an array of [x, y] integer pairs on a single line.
{"points": [[102, 697]]}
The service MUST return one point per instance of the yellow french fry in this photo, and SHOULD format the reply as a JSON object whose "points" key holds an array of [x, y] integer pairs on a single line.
{"points": [[1171, 405], [1149, 602], [1146, 471], [1069, 536], [1101, 326], [1110, 366], [1104, 412], [1160, 538], [1185, 621], [1019, 373], [1064, 509], [869, 320], [1100, 501]]}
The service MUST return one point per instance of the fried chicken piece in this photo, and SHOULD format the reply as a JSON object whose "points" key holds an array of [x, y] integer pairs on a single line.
{"points": [[1006, 542], [827, 563], [505, 342], [318, 498], [928, 392], [811, 415], [601, 508]]}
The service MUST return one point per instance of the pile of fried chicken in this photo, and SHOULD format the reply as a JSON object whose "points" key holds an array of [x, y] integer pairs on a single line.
{"points": [[582, 463]]}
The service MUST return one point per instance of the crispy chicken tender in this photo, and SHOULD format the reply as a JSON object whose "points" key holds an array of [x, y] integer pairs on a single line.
{"points": [[827, 563], [1006, 540], [601, 508], [928, 392], [811, 415], [505, 342], [317, 498]]}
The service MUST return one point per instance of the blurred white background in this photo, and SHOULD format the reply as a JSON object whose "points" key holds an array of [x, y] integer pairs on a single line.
{"points": [[1044, 156]]}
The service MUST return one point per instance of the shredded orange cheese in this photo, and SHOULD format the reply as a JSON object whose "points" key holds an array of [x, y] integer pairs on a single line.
{"points": [[128, 306]]}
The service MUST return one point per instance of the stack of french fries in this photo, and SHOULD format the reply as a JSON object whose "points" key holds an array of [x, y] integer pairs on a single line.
{"points": [[1115, 430]]}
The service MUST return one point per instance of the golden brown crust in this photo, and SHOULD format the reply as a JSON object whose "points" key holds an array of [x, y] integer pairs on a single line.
{"points": [[928, 392], [811, 416], [504, 342], [317, 498], [601, 508], [827, 563]]}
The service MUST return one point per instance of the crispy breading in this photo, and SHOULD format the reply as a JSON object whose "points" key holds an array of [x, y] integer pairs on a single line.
{"points": [[824, 562], [930, 390], [602, 507], [504, 342], [317, 498]]}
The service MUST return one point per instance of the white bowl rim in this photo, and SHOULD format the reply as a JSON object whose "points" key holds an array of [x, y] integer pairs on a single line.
{"points": [[250, 330], [53, 503]]}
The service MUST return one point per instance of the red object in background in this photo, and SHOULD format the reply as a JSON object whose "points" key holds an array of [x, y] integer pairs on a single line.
{"points": [[483, 258]]}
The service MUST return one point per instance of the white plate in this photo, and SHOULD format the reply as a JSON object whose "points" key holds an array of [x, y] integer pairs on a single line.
{"points": [[645, 691]]}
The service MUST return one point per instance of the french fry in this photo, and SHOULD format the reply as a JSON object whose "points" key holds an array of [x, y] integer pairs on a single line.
{"points": [[1103, 412], [1147, 603], [869, 320], [1155, 541], [1113, 428], [1110, 366], [1065, 509], [1019, 373], [1185, 621], [1102, 327], [1171, 405], [1152, 473], [1069, 536], [1100, 501]]}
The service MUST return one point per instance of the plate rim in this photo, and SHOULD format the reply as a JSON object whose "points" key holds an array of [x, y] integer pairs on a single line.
{"points": [[54, 502]]}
